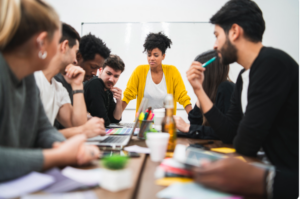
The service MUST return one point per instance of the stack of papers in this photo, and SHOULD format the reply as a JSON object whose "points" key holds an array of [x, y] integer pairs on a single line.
{"points": [[192, 191], [27, 184], [137, 149], [89, 177], [76, 195]]}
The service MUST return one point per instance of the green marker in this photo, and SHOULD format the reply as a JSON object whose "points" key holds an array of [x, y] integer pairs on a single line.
{"points": [[208, 62]]}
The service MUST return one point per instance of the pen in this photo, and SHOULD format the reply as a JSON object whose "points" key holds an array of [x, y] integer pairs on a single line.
{"points": [[208, 62]]}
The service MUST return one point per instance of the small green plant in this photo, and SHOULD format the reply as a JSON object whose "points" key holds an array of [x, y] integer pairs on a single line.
{"points": [[115, 162]]}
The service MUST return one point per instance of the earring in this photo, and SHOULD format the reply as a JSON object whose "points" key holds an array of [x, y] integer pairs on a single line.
{"points": [[42, 55]]}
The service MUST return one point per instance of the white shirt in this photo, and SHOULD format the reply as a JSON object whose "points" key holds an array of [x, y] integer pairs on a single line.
{"points": [[155, 93], [53, 95], [244, 98]]}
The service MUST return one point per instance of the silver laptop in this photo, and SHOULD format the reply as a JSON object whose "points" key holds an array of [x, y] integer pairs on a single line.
{"points": [[118, 141]]}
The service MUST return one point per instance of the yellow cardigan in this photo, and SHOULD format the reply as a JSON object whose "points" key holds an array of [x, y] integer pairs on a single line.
{"points": [[175, 86]]}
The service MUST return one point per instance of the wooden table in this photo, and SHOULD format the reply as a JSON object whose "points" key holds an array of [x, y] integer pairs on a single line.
{"points": [[143, 169]]}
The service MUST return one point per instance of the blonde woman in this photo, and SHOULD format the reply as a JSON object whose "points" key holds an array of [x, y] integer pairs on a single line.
{"points": [[29, 34]]}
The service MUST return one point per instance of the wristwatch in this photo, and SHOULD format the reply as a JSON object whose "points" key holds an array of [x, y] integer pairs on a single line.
{"points": [[77, 91]]}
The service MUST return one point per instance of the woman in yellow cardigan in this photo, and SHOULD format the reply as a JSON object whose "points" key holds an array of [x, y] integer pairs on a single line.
{"points": [[155, 80]]}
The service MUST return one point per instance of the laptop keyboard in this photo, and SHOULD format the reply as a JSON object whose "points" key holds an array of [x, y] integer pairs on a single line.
{"points": [[115, 139]]}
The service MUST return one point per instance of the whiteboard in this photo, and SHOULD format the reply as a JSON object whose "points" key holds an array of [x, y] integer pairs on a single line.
{"points": [[126, 40]]}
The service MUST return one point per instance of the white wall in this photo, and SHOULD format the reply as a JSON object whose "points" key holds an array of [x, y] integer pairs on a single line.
{"points": [[281, 17]]}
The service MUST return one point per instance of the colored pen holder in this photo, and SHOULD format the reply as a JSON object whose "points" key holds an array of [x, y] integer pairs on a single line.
{"points": [[145, 126]]}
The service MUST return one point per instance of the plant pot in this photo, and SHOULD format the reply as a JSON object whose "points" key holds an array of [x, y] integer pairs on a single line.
{"points": [[116, 180]]}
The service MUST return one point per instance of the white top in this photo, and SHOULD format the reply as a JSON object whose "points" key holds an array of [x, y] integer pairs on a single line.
{"points": [[155, 93], [246, 80], [53, 95]]}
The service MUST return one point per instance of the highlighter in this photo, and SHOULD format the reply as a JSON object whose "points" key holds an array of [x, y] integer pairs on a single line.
{"points": [[209, 62]]}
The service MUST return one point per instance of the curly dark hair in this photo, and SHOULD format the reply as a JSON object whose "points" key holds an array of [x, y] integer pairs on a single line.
{"points": [[157, 40], [246, 14], [90, 45], [115, 62]]}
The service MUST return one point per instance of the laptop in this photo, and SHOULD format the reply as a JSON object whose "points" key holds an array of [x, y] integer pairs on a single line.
{"points": [[118, 141]]}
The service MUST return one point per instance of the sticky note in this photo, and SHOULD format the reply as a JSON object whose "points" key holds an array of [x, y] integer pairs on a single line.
{"points": [[169, 154], [223, 150], [169, 181], [241, 158]]}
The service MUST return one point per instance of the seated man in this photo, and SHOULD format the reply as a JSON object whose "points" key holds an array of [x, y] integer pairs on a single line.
{"points": [[90, 57], [99, 92], [54, 96], [264, 110]]}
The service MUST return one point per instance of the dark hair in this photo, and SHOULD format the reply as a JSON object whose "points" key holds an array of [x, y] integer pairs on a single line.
{"points": [[157, 40], [70, 34], [215, 73], [91, 45], [246, 14], [115, 62]]}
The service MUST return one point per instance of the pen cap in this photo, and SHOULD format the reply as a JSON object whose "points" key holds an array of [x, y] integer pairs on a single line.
{"points": [[169, 101]]}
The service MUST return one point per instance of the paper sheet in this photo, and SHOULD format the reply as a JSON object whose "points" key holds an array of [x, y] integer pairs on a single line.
{"points": [[29, 183], [89, 177], [223, 150], [192, 191], [62, 183], [137, 149], [75, 195]]}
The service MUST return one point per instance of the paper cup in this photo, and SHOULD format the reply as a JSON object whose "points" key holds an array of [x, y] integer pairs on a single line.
{"points": [[157, 143]]}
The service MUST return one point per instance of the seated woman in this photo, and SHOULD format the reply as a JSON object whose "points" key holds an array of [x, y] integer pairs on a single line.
{"points": [[219, 88], [155, 80], [29, 35]]}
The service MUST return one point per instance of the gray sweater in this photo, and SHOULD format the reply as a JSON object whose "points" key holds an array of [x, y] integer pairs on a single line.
{"points": [[24, 127]]}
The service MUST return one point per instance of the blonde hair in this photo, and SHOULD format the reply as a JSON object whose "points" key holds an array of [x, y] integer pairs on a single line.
{"points": [[21, 19]]}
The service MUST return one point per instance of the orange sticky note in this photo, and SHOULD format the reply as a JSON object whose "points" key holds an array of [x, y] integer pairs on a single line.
{"points": [[169, 154], [223, 150]]}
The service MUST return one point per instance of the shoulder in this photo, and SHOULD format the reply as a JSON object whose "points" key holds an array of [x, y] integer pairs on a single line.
{"points": [[274, 59], [142, 68], [94, 82], [40, 79], [170, 69], [226, 86]]}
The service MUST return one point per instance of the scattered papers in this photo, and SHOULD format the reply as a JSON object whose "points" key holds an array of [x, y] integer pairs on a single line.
{"points": [[192, 191], [89, 177], [29, 183], [76, 195], [223, 150], [169, 181], [137, 149], [62, 183]]}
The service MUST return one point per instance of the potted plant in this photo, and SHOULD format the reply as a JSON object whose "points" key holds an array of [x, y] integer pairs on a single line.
{"points": [[115, 176]]}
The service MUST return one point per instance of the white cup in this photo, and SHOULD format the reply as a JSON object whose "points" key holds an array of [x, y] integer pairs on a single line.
{"points": [[157, 142], [159, 115]]}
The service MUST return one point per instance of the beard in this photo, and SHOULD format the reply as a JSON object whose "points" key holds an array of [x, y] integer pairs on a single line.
{"points": [[228, 53]]}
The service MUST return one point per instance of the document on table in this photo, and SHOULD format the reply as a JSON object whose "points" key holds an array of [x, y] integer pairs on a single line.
{"points": [[89, 177], [192, 191], [62, 183], [137, 149], [75, 195], [29, 183]]}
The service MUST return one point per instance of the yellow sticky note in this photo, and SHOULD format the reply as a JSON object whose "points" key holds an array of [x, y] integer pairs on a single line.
{"points": [[241, 158], [169, 181], [223, 150], [169, 154]]}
